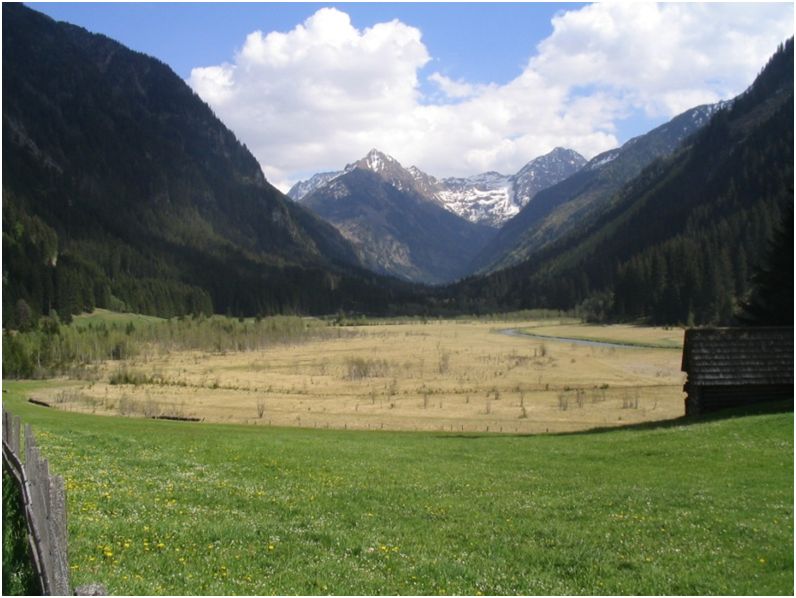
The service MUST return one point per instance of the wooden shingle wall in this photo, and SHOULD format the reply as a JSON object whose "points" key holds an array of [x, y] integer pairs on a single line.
{"points": [[729, 367]]}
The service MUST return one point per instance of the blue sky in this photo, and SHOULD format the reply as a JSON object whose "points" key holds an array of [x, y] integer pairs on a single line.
{"points": [[480, 42], [453, 88]]}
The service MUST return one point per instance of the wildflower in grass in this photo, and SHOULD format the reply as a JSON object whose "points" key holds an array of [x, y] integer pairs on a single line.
{"points": [[271, 547], [161, 545]]}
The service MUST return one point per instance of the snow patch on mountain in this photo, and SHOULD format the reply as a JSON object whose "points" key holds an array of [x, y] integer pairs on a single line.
{"points": [[487, 198], [493, 198]]}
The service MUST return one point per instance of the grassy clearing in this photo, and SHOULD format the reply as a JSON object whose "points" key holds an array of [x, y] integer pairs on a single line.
{"points": [[443, 375], [113, 318], [161, 507]]}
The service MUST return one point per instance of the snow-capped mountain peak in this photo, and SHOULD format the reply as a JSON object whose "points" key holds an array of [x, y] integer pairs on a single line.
{"points": [[376, 161], [488, 198]]}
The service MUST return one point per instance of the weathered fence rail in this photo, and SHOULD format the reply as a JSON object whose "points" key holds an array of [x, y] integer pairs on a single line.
{"points": [[44, 498]]}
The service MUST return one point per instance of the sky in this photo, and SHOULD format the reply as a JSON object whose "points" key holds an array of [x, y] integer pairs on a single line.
{"points": [[455, 89]]}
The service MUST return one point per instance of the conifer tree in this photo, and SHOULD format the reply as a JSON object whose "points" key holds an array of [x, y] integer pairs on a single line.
{"points": [[771, 300]]}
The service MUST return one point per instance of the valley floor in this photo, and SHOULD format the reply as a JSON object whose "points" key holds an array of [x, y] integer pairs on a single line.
{"points": [[441, 375]]}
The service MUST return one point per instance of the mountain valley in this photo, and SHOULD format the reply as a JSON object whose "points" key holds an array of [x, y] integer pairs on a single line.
{"points": [[122, 190]]}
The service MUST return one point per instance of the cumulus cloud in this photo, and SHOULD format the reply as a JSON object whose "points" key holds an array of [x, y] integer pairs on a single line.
{"points": [[663, 58], [324, 93]]}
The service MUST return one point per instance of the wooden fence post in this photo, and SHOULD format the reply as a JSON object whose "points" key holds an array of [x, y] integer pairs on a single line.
{"points": [[57, 531], [44, 500]]}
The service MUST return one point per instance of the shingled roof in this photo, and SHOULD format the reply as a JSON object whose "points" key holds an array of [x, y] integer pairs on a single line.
{"points": [[738, 356]]}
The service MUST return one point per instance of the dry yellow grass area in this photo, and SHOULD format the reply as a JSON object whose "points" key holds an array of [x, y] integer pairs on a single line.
{"points": [[448, 375]]}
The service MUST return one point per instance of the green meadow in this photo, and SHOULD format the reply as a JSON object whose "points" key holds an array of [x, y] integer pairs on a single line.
{"points": [[156, 507]]}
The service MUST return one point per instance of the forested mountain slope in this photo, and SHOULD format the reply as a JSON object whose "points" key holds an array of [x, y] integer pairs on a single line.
{"points": [[679, 242], [122, 189], [565, 206]]}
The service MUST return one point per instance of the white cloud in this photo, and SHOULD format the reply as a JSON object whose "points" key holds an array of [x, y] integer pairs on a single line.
{"points": [[451, 88], [663, 58], [324, 93]]}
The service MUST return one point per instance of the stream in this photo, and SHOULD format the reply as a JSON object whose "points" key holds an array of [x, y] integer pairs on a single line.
{"points": [[576, 341]]}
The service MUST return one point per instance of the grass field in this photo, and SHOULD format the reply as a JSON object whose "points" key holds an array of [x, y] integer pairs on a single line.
{"points": [[182, 508], [108, 318], [442, 375]]}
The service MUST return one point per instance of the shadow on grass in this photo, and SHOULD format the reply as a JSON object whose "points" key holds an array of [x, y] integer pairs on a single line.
{"points": [[731, 413]]}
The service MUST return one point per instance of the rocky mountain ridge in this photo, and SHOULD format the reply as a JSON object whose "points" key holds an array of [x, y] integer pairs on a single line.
{"points": [[488, 198]]}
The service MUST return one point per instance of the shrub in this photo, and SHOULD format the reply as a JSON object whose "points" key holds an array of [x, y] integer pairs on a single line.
{"points": [[359, 368]]}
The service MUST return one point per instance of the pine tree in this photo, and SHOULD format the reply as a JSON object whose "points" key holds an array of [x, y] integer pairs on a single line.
{"points": [[771, 300]]}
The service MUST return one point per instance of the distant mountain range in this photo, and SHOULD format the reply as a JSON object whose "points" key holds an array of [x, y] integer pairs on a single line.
{"points": [[489, 198], [406, 223], [548, 198]]}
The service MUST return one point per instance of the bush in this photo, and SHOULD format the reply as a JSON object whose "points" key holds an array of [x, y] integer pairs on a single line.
{"points": [[359, 368]]}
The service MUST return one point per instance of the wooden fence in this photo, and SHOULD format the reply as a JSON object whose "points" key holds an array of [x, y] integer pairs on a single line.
{"points": [[44, 499]]}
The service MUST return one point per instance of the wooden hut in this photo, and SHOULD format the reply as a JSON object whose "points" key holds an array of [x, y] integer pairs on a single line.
{"points": [[729, 367]]}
